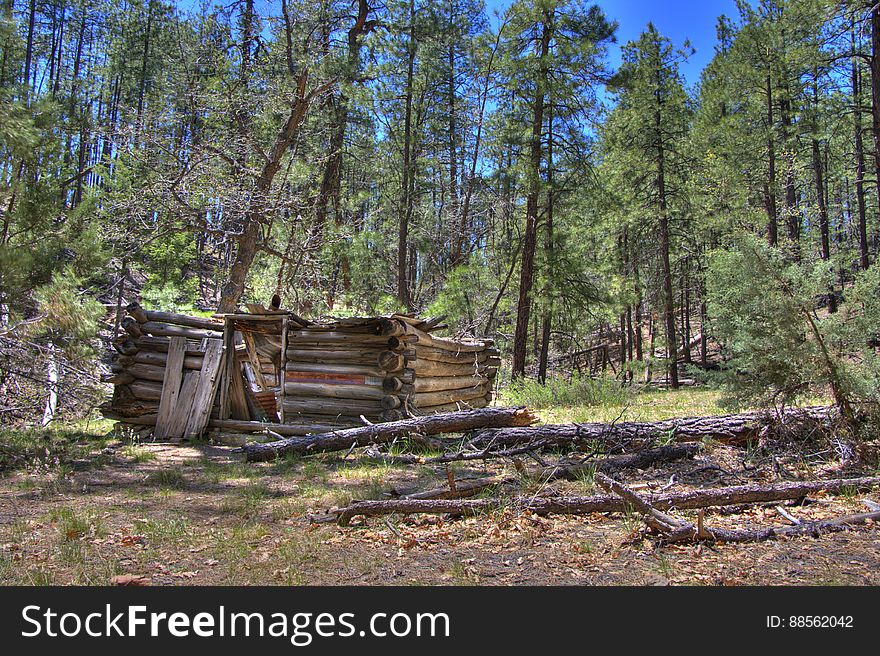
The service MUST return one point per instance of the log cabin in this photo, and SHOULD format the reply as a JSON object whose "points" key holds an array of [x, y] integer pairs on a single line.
{"points": [[271, 372]]}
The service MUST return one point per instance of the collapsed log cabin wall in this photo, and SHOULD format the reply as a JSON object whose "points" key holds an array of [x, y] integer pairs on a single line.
{"points": [[172, 373]]}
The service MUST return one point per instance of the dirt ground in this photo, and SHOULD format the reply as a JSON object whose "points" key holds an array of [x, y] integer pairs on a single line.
{"points": [[196, 514]]}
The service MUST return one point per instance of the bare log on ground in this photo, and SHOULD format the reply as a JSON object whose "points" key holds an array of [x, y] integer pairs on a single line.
{"points": [[463, 488], [733, 428], [675, 530], [659, 521], [609, 503], [454, 422]]}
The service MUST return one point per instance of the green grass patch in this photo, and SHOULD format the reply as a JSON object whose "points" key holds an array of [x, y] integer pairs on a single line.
{"points": [[74, 523], [654, 405], [559, 391], [166, 478], [138, 454], [167, 530]]}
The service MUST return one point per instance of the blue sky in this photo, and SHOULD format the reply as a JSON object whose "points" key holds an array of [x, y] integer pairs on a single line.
{"points": [[676, 19]]}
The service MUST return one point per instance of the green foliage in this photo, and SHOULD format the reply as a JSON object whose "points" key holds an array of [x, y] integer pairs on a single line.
{"points": [[780, 349], [68, 316]]}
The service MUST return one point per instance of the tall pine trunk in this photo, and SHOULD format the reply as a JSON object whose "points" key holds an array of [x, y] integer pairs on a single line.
{"points": [[527, 260]]}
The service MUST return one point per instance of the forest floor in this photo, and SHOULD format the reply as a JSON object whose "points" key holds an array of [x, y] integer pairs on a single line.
{"points": [[197, 514]]}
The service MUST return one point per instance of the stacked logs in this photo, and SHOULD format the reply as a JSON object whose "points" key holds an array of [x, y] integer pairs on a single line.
{"points": [[138, 367], [383, 369], [437, 374], [320, 376]]}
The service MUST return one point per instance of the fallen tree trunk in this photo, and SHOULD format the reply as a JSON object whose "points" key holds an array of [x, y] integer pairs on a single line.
{"points": [[676, 530], [733, 428], [454, 422], [463, 488], [610, 503]]}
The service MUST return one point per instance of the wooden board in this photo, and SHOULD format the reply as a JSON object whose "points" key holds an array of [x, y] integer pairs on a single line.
{"points": [[206, 391], [182, 409], [170, 386]]}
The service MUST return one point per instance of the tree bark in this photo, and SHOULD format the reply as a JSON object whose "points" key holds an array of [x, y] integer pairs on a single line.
{"points": [[404, 292], [770, 185], [609, 503], [859, 159], [453, 422], [249, 242], [733, 428], [527, 260]]}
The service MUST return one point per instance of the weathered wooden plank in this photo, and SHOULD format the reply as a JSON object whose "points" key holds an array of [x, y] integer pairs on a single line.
{"points": [[209, 377], [182, 409], [237, 401], [170, 385]]}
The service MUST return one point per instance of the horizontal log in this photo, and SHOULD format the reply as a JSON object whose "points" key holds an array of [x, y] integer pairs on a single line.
{"points": [[332, 422], [330, 338], [331, 407], [358, 392], [383, 433], [391, 327], [390, 402], [200, 323], [335, 368], [425, 399], [391, 384], [144, 419], [127, 407], [608, 503], [334, 356], [734, 428], [193, 361], [147, 371], [120, 378], [443, 383], [117, 359], [137, 312], [146, 390], [434, 368], [143, 316], [390, 361], [161, 344], [402, 342], [481, 402], [125, 346], [445, 344], [439, 355], [158, 329], [293, 428]]}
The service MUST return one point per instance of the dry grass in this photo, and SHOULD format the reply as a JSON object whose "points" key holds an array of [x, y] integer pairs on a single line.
{"points": [[197, 514]]}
